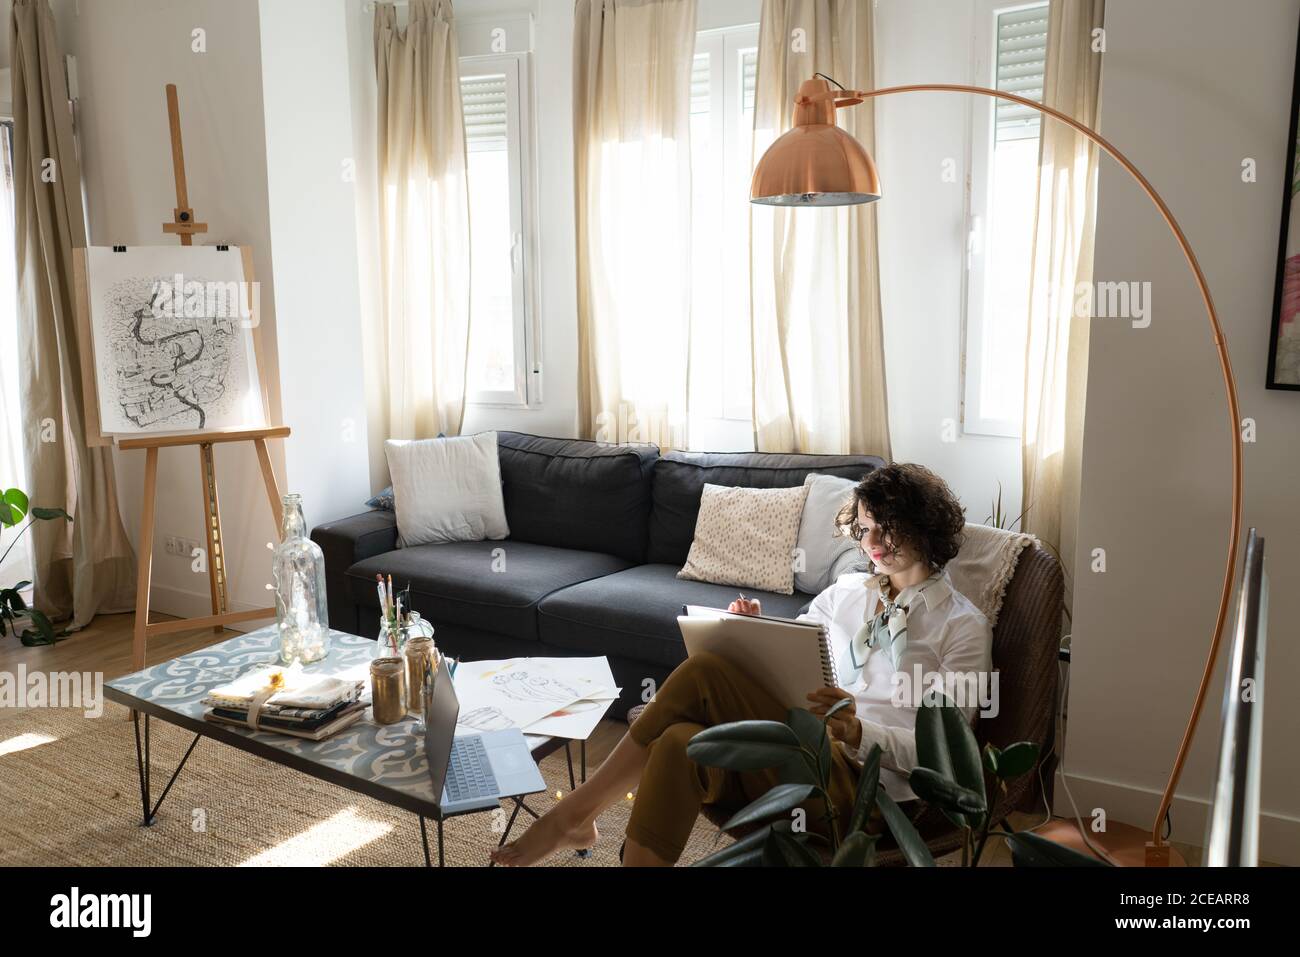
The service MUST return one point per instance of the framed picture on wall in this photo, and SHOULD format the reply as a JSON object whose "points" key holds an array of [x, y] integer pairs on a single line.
{"points": [[1284, 343]]}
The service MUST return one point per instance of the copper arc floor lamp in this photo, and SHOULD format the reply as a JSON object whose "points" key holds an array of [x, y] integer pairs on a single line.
{"points": [[818, 164]]}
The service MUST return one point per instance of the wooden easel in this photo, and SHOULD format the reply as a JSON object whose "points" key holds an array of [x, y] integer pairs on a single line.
{"points": [[185, 226]]}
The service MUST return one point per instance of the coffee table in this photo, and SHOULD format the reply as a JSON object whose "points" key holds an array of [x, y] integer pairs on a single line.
{"points": [[383, 762]]}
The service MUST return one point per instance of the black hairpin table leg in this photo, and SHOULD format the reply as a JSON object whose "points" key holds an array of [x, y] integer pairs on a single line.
{"points": [[424, 839], [142, 768]]}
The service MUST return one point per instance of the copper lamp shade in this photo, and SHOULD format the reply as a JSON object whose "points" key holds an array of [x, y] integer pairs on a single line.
{"points": [[816, 163]]}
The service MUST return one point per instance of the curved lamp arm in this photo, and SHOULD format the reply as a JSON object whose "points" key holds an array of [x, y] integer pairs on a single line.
{"points": [[843, 98]]}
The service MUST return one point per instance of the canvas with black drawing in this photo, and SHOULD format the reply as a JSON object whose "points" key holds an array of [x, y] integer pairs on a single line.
{"points": [[172, 333]]}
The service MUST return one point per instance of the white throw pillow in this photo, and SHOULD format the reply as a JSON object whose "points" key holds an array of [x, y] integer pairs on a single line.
{"points": [[746, 537], [447, 490], [825, 554]]}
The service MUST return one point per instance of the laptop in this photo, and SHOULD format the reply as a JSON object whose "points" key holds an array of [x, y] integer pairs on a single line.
{"points": [[472, 772]]}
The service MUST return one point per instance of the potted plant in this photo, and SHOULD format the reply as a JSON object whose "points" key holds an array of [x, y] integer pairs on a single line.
{"points": [[950, 776], [13, 509]]}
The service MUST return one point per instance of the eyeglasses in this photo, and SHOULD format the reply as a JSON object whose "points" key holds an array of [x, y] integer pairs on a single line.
{"points": [[856, 532]]}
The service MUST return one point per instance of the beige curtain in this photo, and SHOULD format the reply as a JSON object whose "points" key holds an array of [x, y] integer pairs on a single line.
{"points": [[18, 564], [88, 566], [631, 118], [818, 343], [420, 351], [1056, 360]]}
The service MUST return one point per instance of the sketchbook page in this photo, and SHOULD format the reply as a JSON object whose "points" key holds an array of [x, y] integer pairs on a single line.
{"points": [[577, 720], [591, 678], [172, 340], [495, 695]]}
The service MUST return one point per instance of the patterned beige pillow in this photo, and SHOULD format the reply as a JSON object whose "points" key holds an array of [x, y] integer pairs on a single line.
{"points": [[746, 537]]}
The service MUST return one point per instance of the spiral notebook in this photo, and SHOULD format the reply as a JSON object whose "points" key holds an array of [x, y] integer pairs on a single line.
{"points": [[790, 658]]}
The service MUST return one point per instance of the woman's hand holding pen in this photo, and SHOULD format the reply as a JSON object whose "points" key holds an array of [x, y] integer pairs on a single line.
{"points": [[745, 606], [844, 724]]}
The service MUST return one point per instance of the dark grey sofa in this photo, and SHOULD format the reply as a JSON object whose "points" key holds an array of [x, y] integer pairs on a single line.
{"points": [[597, 535]]}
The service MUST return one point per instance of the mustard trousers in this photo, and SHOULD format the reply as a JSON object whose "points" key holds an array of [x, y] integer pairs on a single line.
{"points": [[704, 691]]}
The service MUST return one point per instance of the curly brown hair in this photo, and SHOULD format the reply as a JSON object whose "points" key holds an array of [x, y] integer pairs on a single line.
{"points": [[912, 506]]}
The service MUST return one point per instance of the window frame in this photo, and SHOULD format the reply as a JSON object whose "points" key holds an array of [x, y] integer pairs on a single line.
{"points": [[517, 69], [979, 199], [733, 428]]}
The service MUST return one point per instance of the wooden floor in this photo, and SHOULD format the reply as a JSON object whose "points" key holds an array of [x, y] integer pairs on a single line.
{"points": [[105, 645]]}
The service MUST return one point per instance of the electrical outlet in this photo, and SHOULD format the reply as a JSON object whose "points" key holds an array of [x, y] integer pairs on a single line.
{"points": [[181, 547]]}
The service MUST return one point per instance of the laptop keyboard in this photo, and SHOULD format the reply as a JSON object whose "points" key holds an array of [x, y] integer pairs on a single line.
{"points": [[470, 773]]}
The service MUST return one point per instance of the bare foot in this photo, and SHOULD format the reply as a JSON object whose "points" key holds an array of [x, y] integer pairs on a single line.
{"points": [[547, 835]]}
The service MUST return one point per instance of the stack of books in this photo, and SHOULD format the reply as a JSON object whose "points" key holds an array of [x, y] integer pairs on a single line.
{"points": [[293, 703]]}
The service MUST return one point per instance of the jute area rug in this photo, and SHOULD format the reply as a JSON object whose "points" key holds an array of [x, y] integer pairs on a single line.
{"points": [[70, 796]]}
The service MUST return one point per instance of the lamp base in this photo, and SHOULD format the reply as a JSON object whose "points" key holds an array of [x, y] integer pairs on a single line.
{"points": [[1128, 846]]}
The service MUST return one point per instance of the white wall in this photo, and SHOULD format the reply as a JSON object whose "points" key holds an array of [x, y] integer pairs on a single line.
{"points": [[1190, 90], [309, 148], [922, 220], [127, 51], [243, 127]]}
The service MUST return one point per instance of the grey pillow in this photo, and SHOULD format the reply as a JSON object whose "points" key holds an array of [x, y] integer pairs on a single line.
{"points": [[825, 555]]}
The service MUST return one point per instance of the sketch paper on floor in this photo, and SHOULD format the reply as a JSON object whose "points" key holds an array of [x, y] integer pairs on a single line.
{"points": [[519, 692], [172, 340]]}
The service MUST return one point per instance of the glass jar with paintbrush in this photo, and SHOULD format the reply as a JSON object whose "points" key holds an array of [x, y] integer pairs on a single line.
{"points": [[397, 623]]}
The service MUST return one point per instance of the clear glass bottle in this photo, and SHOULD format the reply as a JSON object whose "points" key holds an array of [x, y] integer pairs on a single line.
{"points": [[298, 568]]}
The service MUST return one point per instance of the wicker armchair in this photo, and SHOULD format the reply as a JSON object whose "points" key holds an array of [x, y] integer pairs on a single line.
{"points": [[1026, 643]]}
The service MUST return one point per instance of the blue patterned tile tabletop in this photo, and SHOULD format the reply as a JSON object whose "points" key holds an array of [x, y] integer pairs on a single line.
{"points": [[390, 756]]}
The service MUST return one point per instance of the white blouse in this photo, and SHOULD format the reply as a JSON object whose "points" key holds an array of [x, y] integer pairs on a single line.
{"points": [[946, 635]]}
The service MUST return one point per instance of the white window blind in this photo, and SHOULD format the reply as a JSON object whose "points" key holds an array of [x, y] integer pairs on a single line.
{"points": [[702, 81], [483, 99], [701, 92], [1021, 57], [748, 78]]}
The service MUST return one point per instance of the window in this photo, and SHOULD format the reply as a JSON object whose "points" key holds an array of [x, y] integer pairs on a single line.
{"points": [[1010, 52], [503, 366], [722, 120]]}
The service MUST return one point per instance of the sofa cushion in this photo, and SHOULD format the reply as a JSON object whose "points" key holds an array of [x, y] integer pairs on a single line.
{"points": [[826, 553], [492, 586], [447, 490], [576, 494], [680, 477], [633, 613], [746, 537]]}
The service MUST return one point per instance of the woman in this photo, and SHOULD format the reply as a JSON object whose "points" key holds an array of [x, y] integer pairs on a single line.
{"points": [[882, 624]]}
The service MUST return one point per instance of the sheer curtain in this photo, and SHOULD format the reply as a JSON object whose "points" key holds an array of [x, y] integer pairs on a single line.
{"points": [[88, 566], [631, 117], [1056, 361], [419, 353], [818, 342], [18, 566]]}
